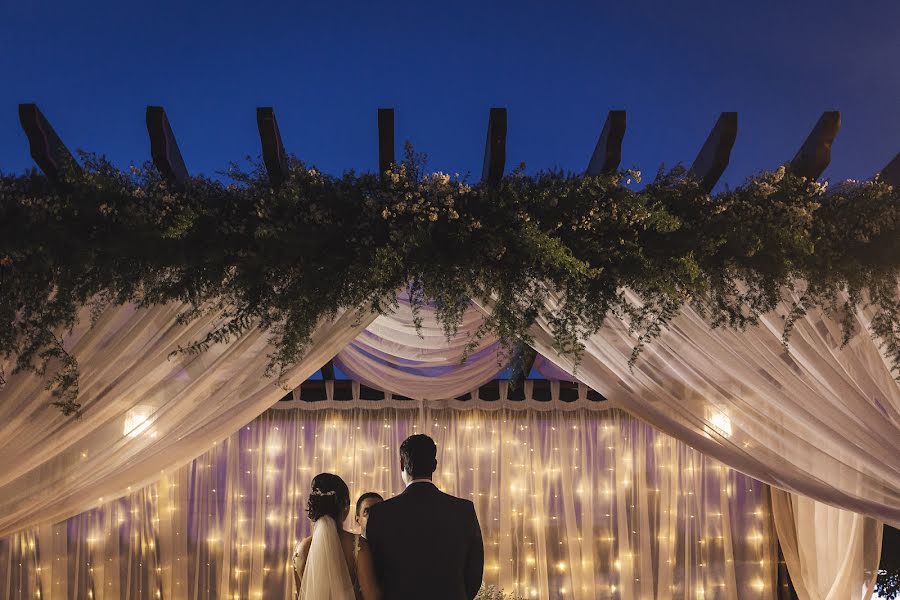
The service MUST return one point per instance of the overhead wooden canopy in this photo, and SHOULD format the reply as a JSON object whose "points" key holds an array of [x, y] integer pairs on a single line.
{"points": [[163, 147], [811, 159], [47, 150]]}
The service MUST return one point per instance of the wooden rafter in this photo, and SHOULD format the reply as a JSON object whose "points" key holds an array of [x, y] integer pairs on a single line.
{"points": [[164, 148], [495, 147], [891, 172], [716, 151], [814, 155], [274, 155], [608, 151], [47, 150], [528, 355], [385, 139]]}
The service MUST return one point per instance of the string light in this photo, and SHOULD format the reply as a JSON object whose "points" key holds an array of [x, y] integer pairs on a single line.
{"points": [[510, 456]]}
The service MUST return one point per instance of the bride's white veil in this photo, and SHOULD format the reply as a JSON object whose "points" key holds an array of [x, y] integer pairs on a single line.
{"points": [[326, 576]]}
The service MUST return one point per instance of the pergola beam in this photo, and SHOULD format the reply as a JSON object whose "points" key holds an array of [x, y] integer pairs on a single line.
{"points": [[47, 150], [495, 147], [814, 155], [385, 140], [528, 356], [713, 157], [891, 172], [164, 148], [608, 151], [328, 371], [274, 155]]}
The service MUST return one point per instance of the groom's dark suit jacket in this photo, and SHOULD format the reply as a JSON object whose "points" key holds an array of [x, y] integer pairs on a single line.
{"points": [[426, 544]]}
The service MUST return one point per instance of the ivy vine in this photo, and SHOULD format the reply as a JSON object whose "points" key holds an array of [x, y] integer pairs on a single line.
{"points": [[283, 259]]}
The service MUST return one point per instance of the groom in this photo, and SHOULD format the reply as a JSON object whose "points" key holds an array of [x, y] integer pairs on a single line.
{"points": [[425, 543]]}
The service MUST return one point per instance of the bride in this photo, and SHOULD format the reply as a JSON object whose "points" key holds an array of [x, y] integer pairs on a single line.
{"points": [[332, 564]]}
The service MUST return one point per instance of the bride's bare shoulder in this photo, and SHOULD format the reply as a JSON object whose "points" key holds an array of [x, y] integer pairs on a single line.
{"points": [[348, 538]]}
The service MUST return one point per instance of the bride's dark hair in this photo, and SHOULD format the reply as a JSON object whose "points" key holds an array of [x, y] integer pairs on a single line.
{"points": [[329, 497]]}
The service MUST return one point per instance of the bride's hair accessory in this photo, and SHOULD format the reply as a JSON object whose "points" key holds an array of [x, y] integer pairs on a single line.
{"points": [[328, 497]]}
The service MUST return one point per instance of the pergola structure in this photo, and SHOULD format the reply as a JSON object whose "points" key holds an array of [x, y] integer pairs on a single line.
{"points": [[812, 158]]}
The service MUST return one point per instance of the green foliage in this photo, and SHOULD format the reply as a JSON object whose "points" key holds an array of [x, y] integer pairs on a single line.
{"points": [[489, 592], [284, 259], [887, 585]]}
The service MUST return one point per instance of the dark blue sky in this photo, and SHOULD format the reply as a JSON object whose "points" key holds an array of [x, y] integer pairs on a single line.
{"points": [[558, 66]]}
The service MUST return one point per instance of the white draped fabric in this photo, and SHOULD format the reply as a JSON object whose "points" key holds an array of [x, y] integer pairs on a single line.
{"points": [[420, 362], [831, 554], [820, 420], [573, 503], [144, 412]]}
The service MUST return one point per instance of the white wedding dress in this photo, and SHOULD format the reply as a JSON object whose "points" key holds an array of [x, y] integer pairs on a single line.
{"points": [[325, 576]]}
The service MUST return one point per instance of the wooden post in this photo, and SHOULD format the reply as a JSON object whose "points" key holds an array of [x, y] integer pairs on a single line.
{"points": [[716, 151], [328, 371], [608, 151], [815, 153], [385, 139], [891, 172], [47, 150], [274, 155], [164, 148], [527, 356], [495, 147]]}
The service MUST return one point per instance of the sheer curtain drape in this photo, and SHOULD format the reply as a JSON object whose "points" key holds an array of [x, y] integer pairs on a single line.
{"points": [[819, 420], [573, 503], [408, 353], [831, 554], [144, 411]]}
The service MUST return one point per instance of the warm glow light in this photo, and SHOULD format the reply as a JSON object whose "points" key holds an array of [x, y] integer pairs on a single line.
{"points": [[523, 486], [721, 422], [137, 420]]}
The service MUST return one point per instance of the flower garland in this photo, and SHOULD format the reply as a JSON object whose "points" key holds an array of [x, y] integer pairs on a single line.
{"points": [[282, 259]]}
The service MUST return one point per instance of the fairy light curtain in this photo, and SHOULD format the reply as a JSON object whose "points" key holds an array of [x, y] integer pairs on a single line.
{"points": [[575, 503]]}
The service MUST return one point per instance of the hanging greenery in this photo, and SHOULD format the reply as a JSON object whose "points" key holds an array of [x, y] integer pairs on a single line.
{"points": [[282, 259]]}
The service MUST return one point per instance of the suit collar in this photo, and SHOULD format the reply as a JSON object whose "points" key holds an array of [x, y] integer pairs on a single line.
{"points": [[420, 485]]}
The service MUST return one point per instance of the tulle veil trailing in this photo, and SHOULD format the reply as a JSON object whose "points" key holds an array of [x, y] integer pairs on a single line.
{"points": [[326, 576]]}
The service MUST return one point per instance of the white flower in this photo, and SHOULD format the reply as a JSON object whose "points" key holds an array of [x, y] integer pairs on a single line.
{"points": [[778, 175]]}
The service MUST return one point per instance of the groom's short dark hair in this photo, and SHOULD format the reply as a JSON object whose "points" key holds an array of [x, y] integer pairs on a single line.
{"points": [[419, 455]]}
